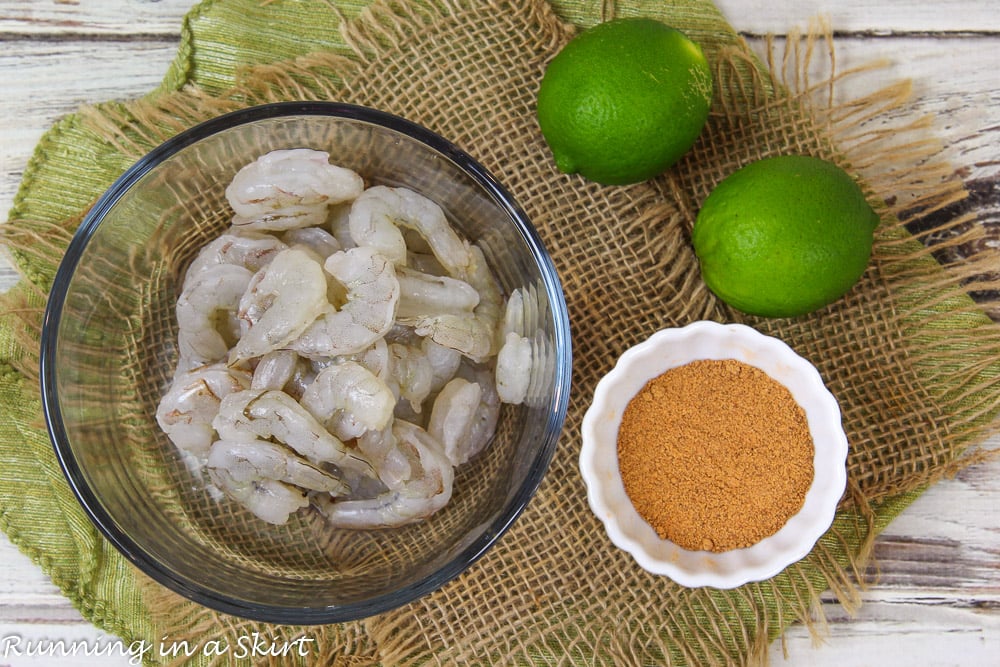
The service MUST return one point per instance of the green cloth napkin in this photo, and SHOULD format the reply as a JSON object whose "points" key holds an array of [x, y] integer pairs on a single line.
{"points": [[72, 166]]}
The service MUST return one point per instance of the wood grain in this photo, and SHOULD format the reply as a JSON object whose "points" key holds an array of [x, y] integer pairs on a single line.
{"points": [[73, 19], [863, 17], [936, 599], [888, 17]]}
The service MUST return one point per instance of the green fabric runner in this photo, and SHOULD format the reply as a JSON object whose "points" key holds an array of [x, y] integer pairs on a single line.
{"points": [[37, 509]]}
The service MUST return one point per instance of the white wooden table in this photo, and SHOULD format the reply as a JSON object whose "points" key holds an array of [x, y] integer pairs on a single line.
{"points": [[938, 600]]}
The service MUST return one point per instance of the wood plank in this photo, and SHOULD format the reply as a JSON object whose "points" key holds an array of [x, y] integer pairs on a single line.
{"points": [[926, 632], [760, 17], [937, 602], [955, 82], [964, 98], [53, 79], [61, 18], [29, 594], [163, 17], [923, 611]]}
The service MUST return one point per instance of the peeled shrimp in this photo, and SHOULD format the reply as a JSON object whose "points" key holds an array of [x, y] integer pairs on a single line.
{"points": [[411, 374], [375, 358], [523, 350], [454, 417], [288, 189], [425, 490], [373, 330], [350, 389], [249, 249], [514, 313], [254, 460], [338, 224], [473, 334], [269, 500], [274, 414], [208, 300], [513, 369], [444, 362], [487, 413], [282, 301], [391, 462], [378, 215], [406, 368], [186, 411], [422, 295], [371, 222], [370, 310], [317, 239], [275, 370]]}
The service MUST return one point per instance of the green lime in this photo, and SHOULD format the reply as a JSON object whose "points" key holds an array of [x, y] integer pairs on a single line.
{"points": [[624, 100], [784, 236]]}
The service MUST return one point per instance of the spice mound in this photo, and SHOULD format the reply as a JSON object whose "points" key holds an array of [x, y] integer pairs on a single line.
{"points": [[715, 455]]}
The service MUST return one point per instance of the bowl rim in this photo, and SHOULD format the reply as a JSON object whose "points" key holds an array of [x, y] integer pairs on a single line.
{"points": [[605, 492], [460, 559]]}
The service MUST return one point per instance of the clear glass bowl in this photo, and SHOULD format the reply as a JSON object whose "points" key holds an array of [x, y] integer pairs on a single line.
{"points": [[606, 493], [109, 349]]}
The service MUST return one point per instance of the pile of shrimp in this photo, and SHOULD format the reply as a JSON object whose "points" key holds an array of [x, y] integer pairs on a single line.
{"points": [[340, 348]]}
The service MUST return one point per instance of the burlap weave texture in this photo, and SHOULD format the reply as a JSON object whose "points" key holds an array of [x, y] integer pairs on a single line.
{"points": [[554, 591]]}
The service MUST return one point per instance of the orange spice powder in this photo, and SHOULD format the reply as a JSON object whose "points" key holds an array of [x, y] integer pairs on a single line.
{"points": [[715, 455]]}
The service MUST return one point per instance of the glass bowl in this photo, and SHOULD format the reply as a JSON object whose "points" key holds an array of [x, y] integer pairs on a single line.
{"points": [[671, 348], [108, 350]]}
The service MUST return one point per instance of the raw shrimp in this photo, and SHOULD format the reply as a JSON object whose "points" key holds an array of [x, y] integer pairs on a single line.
{"points": [[371, 327], [370, 310], [378, 214], [473, 334], [254, 460], [288, 189], [249, 249], [400, 360], [269, 500], [274, 414], [513, 318], [522, 313], [444, 362], [523, 345], [351, 390], [422, 295], [316, 239], [411, 374], [371, 222], [275, 370], [209, 298], [392, 463], [375, 358], [282, 301], [424, 262], [513, 368], [338, 224], [424, 491], [186, 411], [302, 377], [487, 413], [454, 417]]}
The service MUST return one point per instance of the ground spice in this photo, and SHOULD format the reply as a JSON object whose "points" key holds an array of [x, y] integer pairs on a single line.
{"points": [[715, 455]]}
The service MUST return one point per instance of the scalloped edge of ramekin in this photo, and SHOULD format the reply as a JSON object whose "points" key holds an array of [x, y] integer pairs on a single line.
{"points": [[670, 348]]}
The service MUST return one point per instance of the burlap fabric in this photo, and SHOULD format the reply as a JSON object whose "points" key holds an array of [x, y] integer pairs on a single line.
{"points": [[912, 358]]}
